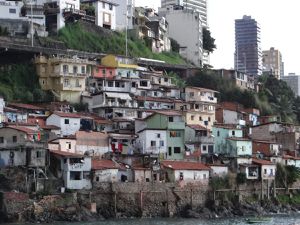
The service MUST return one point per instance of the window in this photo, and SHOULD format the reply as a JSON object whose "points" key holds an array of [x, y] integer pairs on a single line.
{"points": [[161, 143], [14, 138], [75, 69], [117, 84], [75, 175], [110, 73], [177, 150], [204, 176], [233, 133], [158, 135], [153, 143], [166, 79], [218, 133], [110, 84], [67, 121], [271, 172], [265, 171], [1, 140], [77, 83], [38, 154], [110, 6], [82, 69], [175, 134], [181, 176], [155, 93], [200, 118], [171, 119], [191, 94], [65, 69], [243, 148], [170, 151], [68, 145], [97, 179], [143, 83], [192, 117], [104, 71], [204, 148], [210, 149], [14, 11], [209, 119], [66, 82]]}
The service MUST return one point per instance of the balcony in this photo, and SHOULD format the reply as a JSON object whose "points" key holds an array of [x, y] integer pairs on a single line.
{"points": [[69, 87]]}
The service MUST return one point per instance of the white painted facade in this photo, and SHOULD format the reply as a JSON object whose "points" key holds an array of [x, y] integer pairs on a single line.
{"points": [[152, 141], [268, 171], [218, 170], [65, 4], [68, 125], [10, 9], [191, 175], [106, 175], [93, 150], [105, 14], [82, 169]]}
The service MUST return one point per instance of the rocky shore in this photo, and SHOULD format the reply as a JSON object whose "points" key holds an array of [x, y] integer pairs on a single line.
{"points": [[57, 208]]}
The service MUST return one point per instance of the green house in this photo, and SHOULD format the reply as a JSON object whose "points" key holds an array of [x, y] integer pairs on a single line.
{"points": [[173, 123]]}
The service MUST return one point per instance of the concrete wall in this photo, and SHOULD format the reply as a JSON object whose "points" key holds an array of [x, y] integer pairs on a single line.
{"points": [[66, 129]]}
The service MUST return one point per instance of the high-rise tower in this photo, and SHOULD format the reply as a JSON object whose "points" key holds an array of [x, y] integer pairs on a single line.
{"points": [[248, 54]]}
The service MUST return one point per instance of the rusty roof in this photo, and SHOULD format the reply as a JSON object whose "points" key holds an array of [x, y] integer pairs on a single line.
{"points": [[183, 165]]}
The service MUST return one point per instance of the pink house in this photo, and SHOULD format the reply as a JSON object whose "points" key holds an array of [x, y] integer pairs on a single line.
{"points": [[104, 72]]}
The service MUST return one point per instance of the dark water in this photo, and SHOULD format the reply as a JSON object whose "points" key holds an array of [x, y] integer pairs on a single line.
{"points": [[278, 220]]}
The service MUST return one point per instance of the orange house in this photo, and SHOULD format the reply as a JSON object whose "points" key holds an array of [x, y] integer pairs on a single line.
{"points": [[104, 72]]}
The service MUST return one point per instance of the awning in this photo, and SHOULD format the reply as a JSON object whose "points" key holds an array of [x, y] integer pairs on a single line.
{"points": [[123, 96]]}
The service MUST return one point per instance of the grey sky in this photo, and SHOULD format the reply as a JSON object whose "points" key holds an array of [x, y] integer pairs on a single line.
{"points": [[278, 20]]}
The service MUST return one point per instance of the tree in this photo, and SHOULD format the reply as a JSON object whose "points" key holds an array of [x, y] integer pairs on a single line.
{"points": [[208, 41], [174, 45]]}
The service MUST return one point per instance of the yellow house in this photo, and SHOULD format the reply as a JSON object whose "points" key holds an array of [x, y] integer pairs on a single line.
{"points": [[65, 77], [200, 106]]}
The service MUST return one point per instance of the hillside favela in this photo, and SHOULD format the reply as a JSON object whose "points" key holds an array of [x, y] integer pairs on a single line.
{"points": [[121, 112]]}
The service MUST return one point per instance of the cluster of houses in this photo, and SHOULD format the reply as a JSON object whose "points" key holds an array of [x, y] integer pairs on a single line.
{"points": [[139, 127]]}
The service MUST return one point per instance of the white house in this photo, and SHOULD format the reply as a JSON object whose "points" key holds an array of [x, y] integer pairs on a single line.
{"points": [[74, 169], [124, 7], [105, 14], [69, 123], [105, 171], [152, 141], [267, 168], [189, 172], [10, 9]]}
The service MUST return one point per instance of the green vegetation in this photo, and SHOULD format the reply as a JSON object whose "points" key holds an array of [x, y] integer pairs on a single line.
{"points": [[76, 36], [285, 199], [241, 178], [208, 41], [219, 182], [19, 82], [286, 175], [274, 98], [177, 80]]}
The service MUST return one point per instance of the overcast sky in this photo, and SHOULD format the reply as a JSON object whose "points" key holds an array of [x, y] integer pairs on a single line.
{"points": [[279, 27]]}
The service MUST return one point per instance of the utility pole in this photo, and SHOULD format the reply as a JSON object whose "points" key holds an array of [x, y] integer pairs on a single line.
{"points": [[126, 30], [31, 23]]}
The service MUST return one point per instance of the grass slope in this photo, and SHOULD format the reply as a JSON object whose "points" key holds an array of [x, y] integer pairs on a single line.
{"points": [[76, 36]]}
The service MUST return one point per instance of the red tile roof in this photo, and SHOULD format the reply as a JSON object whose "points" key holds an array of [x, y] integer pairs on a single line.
{"points": [[262, 162], [20, 124], [63, 114], [104, 164], [25, 106], [182, 165], [22, 129], [197, 127], [50, 127]]}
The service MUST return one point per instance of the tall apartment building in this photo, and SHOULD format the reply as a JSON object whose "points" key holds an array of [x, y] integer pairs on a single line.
{"points": [[180, 21], [272, 62], [293, 82], [248, 54], [125, 7], [197, 5]]}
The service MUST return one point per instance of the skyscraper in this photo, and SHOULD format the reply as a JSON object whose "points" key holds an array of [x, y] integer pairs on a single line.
{"points": [[248, 54], [272, 62]]}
